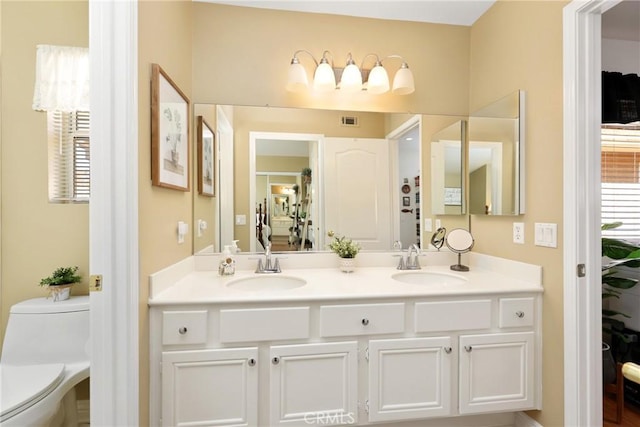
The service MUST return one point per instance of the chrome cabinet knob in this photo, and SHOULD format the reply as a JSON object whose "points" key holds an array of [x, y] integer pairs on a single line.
{"points": [[182, 330], [275, 360], [365, 321], [468, 348], [252, 362], [520, 314], [447, 350]]}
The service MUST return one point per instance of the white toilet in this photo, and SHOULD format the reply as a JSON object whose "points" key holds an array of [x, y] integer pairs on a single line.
{"points": [[44, 355]]}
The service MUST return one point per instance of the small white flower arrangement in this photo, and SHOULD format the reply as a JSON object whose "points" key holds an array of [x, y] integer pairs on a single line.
{"points": [[344, 247]]}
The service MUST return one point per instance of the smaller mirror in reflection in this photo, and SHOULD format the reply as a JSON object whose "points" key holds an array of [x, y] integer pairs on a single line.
{"points": [[447, 170], [495, 156]]}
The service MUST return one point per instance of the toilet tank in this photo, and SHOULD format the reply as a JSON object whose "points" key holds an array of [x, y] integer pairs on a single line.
{"points": [[42, 331]]}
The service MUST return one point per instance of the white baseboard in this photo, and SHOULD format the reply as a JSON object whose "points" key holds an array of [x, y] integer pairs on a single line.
{"points": [[523, 420]]}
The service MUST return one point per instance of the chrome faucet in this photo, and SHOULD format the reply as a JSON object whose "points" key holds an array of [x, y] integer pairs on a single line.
{"points": [[269, 266], [413, 263]]}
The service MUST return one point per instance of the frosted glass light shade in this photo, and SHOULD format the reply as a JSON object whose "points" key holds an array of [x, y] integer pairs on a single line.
{"points": [[351, 79], [324, 80], [297, 80], [378, 80], [403, 81]]}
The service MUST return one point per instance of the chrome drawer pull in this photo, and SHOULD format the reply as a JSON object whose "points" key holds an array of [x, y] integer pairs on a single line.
{"points": [[365, 322], [520, 314], [182, 330]]}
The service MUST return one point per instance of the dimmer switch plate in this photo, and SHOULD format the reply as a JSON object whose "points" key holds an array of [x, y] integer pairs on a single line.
{"points": [[546, 234]]}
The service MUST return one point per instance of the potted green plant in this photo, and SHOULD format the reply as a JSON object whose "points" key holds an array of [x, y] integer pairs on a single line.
{"points": [[59, 283], [346, 249], [621, 254]]}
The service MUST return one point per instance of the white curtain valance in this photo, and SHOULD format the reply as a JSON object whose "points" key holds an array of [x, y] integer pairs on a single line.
{"points": [[62, 78]]}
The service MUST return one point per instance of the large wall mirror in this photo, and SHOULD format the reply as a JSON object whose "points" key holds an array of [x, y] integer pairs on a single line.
{"points": [[370, 178], [375, 177], [496, 157]]}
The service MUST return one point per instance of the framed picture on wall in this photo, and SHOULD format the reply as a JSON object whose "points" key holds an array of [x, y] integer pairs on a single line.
{"points": [[406, 201], [206, 143], [169, 132]]}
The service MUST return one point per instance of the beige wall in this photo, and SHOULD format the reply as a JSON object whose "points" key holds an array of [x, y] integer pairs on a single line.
{"points": [[509, 52], [37, 236], [235, 65], [164, 34]]}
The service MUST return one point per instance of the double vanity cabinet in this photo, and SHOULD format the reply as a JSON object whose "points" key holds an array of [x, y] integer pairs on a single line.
{"points": [[321, 360]]}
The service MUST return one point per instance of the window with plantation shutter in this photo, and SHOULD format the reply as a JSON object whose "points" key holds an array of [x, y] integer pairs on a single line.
{"points": [[620, 160], [69, 166]]}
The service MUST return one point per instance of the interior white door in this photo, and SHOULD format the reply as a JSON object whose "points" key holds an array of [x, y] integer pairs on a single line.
{"points": [[357, 190]]}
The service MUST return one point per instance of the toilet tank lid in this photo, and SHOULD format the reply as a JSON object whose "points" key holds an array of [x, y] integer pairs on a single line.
{"points": [[47, 305]]}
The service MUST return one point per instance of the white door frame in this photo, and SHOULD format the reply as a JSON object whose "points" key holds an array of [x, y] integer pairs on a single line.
{"points": [[316, 139], [113, 212], [582, 295], [393, 137]]}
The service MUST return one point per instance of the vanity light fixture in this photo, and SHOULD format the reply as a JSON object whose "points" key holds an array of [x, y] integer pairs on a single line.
{"points": [[351, 77]]}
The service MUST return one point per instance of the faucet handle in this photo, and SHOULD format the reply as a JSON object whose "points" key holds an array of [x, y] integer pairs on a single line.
{"points": [[259, 268], [401, 263]]}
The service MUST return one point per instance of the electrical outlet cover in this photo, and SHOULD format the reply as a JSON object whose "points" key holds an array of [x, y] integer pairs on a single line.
{"points": [[518, 232]]}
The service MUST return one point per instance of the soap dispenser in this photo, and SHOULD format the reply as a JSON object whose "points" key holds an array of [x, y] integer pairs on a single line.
{"points": [[234, 247], [227, 265]]}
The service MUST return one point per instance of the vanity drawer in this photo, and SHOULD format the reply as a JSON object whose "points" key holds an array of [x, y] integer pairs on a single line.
{"points": [[264, 324], [452, 315], [516, 312], [184, 327], [361, 319]]}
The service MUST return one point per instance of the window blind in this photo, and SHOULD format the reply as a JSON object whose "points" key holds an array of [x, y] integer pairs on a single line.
{"points": [[620, 169], [69, 160]]}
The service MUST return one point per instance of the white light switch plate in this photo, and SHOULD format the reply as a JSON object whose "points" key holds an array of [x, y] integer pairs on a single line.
{"points": [[241, 220], [546, 234], [428, 225]]}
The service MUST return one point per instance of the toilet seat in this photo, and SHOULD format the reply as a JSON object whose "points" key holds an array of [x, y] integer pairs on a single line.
{"points": [[22, 386]]}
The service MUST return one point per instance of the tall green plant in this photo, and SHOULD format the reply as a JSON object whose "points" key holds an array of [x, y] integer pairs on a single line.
{"points": [[621, 253]]}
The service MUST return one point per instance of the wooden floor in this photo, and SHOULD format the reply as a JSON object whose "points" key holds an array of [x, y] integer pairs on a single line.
{"points": [[630, 417]]}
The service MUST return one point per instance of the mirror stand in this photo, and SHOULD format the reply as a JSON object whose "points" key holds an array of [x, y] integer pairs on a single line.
{"points": [[460, 241]]}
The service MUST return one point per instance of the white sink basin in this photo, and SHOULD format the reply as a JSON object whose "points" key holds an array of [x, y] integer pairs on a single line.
{"points": [[428, 278], [275, 282]]}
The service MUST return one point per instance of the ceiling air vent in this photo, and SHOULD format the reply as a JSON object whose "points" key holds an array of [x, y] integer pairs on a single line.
{"points": [[349, 121]]}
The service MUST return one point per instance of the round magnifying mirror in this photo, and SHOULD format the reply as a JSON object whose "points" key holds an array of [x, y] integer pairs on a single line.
{"points": [[459, 241], [437, 239]]}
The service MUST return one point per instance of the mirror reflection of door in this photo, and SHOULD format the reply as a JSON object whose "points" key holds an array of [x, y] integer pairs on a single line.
{"points": [[280, 193], [409, 175], [357, 190]]}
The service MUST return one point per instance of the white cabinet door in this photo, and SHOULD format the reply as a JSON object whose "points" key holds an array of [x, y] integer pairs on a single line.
{"points": [[314, 384], [409, 378], [496, 372], [210, 387]]}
